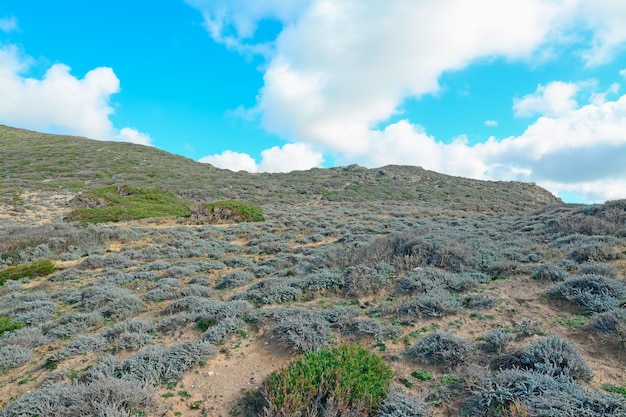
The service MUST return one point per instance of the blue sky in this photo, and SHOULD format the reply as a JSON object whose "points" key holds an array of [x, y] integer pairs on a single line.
{"points": [[488, 89]]}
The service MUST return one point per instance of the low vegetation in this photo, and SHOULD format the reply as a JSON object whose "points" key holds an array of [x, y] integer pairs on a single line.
{"points": [[348, 379], [123, 203], [460, 297], [229, 211], [36, 269]]}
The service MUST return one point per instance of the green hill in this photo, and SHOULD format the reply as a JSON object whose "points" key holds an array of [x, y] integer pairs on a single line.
{"points": [[32, 160]]}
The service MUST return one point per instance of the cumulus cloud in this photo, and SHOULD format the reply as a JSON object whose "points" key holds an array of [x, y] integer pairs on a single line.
{"points": [[289, 157], [584, 144], [234, 22], [553, 99], [59, 102], [8, 24], [234, 161], [605, 20], [338, 71], [128, 134]]}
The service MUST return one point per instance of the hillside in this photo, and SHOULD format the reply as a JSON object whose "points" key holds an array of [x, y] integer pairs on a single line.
{"points": [[32, 160], [463, 297]]}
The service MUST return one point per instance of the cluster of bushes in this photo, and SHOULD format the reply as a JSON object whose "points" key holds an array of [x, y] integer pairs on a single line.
{"points": [[374, 276]]}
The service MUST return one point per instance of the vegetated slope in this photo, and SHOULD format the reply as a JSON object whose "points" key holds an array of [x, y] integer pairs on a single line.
{"points": [[157, 319], [31, 160], [477, 304]]}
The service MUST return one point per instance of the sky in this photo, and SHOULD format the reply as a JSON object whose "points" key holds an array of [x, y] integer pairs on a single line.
{"points": [[505, 90]]}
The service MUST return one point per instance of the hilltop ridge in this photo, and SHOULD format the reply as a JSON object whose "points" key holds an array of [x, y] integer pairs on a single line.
{"points": [[38, 161]]}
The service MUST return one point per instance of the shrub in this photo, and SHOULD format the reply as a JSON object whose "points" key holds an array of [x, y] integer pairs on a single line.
{"points": [[612, 324], [34, 312], [122, 203], [222, 331], [11, 286], [441, 348], [527, 328], [302, 333], [199, 308], [234, 279], [361, 280], [480, 301], [12, 356], [496, 341], [422, 280], [598, 268], [178, 272], [527, 392], [91, 262], [111, 301], [550, 272], [8, 325], [398, 404], [118, 261], [271, 290], [340, 317], [422, 375], [129, 334], [67, 275], [229, 211], [81, 344], [164, 289], [157, 364], [465, 280], [107, 396], [324, 279], [438, 303], [368, 327], [595, 293], [593, 251], [71, 324], [35, 269], [194, 290], [409, 250], [27, 337], [552, 356], [348, 379]]}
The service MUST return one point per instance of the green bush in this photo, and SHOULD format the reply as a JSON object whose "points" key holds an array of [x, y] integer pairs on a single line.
{"points": [[349, 378], [119, 203], [7, 325], [248, 212], [35, 269]]}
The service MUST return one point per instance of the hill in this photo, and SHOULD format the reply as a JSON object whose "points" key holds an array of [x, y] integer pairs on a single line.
{"points": [[330, 292], [37, 161]]}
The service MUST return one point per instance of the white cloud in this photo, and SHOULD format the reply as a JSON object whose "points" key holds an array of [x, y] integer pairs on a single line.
{"points": [[8, 24], [234, 22], [623, 73], [339, 70], [605, 19], [234, 161], [131, 135], [581, 151], [584, 144], [289, 157], [59, 102], [491, 123], [346, 66], [553, 99]]}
